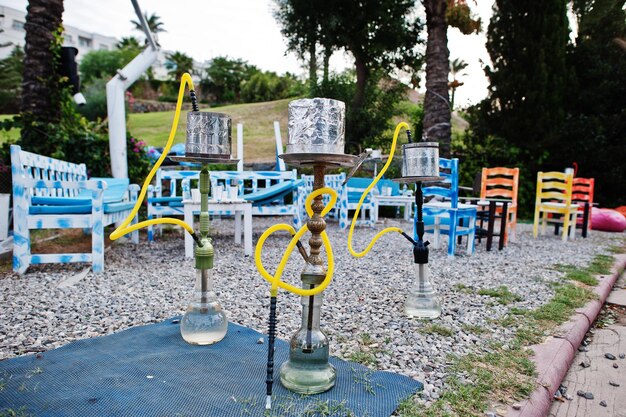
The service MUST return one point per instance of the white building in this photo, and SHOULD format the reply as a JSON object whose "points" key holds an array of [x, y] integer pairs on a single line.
{"points": [[13, 33], [12, 25]]}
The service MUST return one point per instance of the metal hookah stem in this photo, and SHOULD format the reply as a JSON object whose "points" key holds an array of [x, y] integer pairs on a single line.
{"points": [[271, 336], [309, 323], [204, 284]]}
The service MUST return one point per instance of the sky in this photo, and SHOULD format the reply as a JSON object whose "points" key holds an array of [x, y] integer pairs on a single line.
{"points": [[246, 29]]}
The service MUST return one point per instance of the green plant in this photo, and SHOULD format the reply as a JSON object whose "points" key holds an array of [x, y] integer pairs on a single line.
{"points": [[438, 329], [501, 294]]}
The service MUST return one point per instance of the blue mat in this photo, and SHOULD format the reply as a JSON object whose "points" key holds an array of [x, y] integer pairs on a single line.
{"points": [[151, 371]]}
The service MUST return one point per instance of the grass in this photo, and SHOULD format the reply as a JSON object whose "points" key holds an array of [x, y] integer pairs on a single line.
{"points": [[504, 373], [368, 349], [11, 134], [437, 329], [501, 294], [600, 265], [258, 127], [10, 412], [473, 328]]}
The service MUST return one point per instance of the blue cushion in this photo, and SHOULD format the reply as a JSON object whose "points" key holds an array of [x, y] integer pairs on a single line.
{"points": [[273, 192], [170, 200], [116, 189], [82, 209]]}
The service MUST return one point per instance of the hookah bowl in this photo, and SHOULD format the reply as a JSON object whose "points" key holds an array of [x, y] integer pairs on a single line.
{"points": [[421, 164], [208, 141]]}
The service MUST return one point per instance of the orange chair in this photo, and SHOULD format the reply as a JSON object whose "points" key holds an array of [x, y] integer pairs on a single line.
{"points": [[502, 184], [554, 196], [582, 195]]}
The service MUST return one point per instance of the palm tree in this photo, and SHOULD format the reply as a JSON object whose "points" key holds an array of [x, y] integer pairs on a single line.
{"points": [[129, 42], [41, 96], [456, 66], [437, 107], [177, 64], [154, 24]]}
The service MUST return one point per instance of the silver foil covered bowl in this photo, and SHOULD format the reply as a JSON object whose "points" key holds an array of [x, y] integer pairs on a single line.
{"points": [[420, 159], [208, 135], [316, 125]]}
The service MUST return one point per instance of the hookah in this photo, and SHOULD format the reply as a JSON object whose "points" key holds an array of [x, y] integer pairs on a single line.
{"points": [[316, 138], [420, 164], [207, 141]]}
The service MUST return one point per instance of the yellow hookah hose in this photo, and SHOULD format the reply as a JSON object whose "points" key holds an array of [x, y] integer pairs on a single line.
{"points": [[124, 228], [364, 195], [275, 280]]}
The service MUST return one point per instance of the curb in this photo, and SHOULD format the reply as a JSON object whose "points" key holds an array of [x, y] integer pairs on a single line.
{"points": [[554, 357]]}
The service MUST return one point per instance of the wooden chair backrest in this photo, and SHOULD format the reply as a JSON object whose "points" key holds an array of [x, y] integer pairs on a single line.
{"points": [[554, 186], [500, 183], [582, 190], [449, 170]]}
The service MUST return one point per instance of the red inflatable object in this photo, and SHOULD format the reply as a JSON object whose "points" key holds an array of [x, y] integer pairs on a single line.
{"points": [[607, 220]]}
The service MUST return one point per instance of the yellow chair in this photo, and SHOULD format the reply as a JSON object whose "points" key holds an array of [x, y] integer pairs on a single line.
{"points": [[554, 196]]}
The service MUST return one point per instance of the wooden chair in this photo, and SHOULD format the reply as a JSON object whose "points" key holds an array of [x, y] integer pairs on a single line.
{"points": [[582, 195], [554, 197], [502, 184], [450, 217]]}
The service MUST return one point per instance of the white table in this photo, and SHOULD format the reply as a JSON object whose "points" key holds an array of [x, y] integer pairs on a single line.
{"points": [[396, 201], [240, 208]]}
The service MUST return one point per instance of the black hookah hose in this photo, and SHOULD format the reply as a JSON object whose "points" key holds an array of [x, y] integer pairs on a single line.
{"points": [[194, 100], [271, 337]]}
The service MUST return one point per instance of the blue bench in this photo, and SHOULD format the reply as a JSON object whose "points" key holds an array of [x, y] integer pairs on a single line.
{"points": [[52, 194]]}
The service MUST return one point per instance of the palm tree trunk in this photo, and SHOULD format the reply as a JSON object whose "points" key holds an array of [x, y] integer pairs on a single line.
{"points": [[40, 86], [362, 76], [436, 102], [312, 66]]}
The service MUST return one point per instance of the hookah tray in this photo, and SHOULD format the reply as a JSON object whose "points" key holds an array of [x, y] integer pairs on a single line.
{"points": [[333, 160]]}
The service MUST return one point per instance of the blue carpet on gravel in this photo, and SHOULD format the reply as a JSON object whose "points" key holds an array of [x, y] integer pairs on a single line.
{"points": [[150, 371]]}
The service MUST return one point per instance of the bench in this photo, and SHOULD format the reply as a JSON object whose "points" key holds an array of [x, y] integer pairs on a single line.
{"points": [[53, 194], [272, 193]]}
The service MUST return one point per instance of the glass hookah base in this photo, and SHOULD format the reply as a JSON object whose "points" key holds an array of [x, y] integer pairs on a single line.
{"points": [[422, 307], [308, 373], [203, 327]]}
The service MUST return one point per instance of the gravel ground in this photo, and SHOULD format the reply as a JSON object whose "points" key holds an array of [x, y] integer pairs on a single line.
{"points": [[151, 282]]}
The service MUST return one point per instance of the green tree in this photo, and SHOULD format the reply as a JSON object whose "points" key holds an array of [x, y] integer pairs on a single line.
{"points": [[380, 35], [104, 63], [177, 64], [129, 42], [223, 78], [524, 112], [11, 69], [595, 130], [155, 25], [527, 43]]}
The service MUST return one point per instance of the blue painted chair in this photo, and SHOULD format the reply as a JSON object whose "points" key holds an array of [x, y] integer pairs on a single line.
{"points": [[449, 217], [170, 202], [53, 194], [349, 200], [333, 181]]}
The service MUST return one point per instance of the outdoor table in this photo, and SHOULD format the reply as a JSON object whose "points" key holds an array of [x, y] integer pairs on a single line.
{"points": [[239, 208], [398, 201], [487, 211]]}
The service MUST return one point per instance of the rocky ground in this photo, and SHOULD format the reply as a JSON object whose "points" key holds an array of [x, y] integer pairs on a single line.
{"points": [[363, 307]]}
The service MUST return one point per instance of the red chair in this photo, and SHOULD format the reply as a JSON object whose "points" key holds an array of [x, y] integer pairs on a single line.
{"points": [[582, 194]]}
